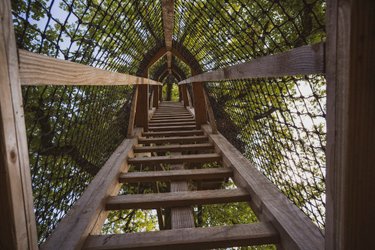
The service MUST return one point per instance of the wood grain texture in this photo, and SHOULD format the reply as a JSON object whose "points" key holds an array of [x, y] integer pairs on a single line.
{"points": [[141, 114], [175, 139], [132, 114], [350, 124], [200, 108], [304, 60], [177, 175], [188, 238], [171, 159], [210, 113], [172, 133], [156, 96], [87, 214], [296, 230], [168, 21], [17, 226], [36, 69], [176, 199], [181, 217], [174, 148], [172, 128], [171, 123]]}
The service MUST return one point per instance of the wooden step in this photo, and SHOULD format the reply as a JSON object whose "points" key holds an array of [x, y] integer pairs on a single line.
{"points": [[173, 120], [176, 199], [171, 128], [260, 233], [176, 139], [163, 124], [177, 175], [173, 133], [169, 117], [170, 159], [173, 148]]}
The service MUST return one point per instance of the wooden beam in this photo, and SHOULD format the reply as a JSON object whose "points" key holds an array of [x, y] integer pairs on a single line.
{"points": [[168, 21], [350, 124], [210, 113], [156, 96], [176, 159], [296, 230], [174, 139], [304, 60], [172, 133], [176, 199], [132, 113], [188, 238], [17, 226], [177, 175], [174, 148], [141, 115], [87, 214], [184, 95], [172, 128], [200, 107], [37, 69]]}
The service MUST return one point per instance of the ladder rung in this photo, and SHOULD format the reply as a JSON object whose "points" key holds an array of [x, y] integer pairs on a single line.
{"points": [[167, 128], [173, 120], [175, 159], [185, 115], [176, 175], [173, 133], [176, 139], [163, 124], [173, 148], [176, 199], [188, 238]]}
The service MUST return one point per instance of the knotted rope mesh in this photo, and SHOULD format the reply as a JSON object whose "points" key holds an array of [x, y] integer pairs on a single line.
{"points": [[279, 124]]}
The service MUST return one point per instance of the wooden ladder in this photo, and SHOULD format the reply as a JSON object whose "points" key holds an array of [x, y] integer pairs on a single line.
{"points": [[173, 134]]}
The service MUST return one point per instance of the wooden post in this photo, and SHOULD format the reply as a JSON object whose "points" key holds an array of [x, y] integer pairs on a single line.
{"points": [[210, 112], [350, 151], [161, 93], [132, 113], [199, 104], [156, 96], [17, 227], [141, 116], [184, 95]]}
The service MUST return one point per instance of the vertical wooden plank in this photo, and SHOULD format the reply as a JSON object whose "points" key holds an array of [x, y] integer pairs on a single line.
{"points": [[141, 115], [156, 96], [160, 93], [181, 217], [210, 112], [350, 124], [199, 104], [17, 226], [132, 113], [184, 95]]}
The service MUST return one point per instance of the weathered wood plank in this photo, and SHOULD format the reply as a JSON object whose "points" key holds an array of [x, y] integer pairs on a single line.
{"points": [[188, 238], [350, 124], [169, 159], [200, 108], [132, 113], [86, 215], [171, 128], [172, 120], [141, 114], [177, 139], [176, 199], [181, 217], [210, 113], [17, 226], [171, 123], [177, 175], [297, 231], [173, 148], [304, 60], [37, 69], [172, 133]]}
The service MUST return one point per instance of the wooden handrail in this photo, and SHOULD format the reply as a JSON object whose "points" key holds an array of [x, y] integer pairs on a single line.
{"points": [[36, 69], [303, 60]]}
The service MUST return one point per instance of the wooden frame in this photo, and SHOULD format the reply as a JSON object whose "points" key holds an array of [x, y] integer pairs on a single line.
{"points": [[36, 69], [17, 227], [350, 124], [304, 60]]}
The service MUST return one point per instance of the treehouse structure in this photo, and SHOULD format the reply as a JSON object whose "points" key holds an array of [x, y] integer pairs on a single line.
{"points": [[268, 108]]}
